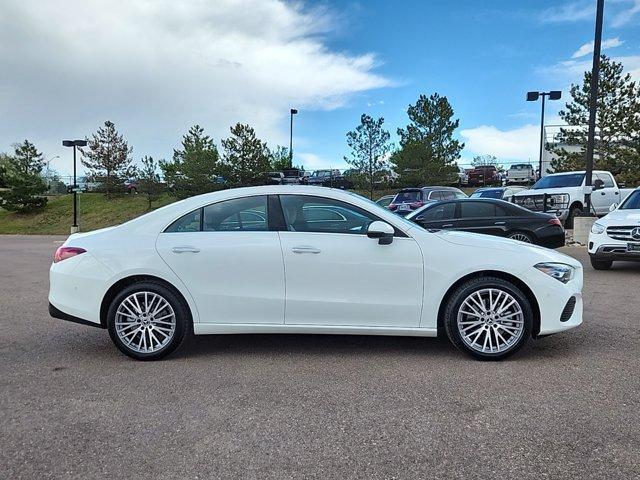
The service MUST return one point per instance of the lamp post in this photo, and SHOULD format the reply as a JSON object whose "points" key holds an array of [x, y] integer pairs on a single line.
{"points": [[293, 112], [532, 97], [48, 162], [593, 99], [74, 144]]}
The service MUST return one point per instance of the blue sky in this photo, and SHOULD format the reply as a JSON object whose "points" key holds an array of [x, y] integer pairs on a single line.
{"points": [[156, 68], [483, 56]]}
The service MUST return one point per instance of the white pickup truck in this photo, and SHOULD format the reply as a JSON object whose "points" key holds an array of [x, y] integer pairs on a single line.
{"points": [[616, 236], [563, 195]]}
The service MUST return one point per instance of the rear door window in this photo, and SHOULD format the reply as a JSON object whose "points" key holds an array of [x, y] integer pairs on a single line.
{"points": [[477, 210]]}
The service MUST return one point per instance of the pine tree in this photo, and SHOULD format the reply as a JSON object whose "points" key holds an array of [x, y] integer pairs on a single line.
{"points": [[149, 180], [107, 158], [26, 186], [195, 168], [428, 150], [369, 144], [617, 124], [246, 158]]}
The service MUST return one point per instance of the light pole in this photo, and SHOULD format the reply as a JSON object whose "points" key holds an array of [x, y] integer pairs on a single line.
{"points": [[48, 162], [293, 112], [593, 99], [532, 97], [74, 144]]}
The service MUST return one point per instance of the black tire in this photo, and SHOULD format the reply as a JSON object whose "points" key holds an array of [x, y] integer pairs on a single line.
{"points": [[180, 310], [454, 304], [528, 236], [600, 264], [573, 212]]}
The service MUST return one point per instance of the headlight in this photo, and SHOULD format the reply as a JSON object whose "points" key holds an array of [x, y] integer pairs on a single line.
{"points": [[559, 271], [597, 228], [559, 200]]}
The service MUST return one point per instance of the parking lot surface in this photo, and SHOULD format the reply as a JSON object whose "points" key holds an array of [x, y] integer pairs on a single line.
{"points": [[293, 406]]}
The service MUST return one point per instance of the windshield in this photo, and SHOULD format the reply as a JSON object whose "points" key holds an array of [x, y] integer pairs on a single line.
{"points": [[632, 202], [493, 193], [408, 197], [558, 181]]}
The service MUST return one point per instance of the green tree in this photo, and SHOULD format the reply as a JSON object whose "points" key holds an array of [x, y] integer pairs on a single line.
{"points": [[149, 180], [428, 150], [369, 144], [195, 167], [617, 124], [25, 186], [246, 158], [5, 162], [279, 158], [107, 158], [484, 160]]}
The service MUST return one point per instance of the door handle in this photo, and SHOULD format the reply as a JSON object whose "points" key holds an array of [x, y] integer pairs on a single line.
{"points": [[305, 249], [602, 193], [616, 193], [447, 225], [185, 249], [500, 223]]}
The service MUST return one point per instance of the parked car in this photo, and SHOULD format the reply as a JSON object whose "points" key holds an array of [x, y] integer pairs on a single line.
{"points": [[292, 176], [330, 178], [616, 236], [83, 184], [131, 186], [463, 177], [501, 193], [563, 195], [197, 266], [385, 200], [521, 173], [492, 217], [484, 175], [275, 178], [408, 199]]}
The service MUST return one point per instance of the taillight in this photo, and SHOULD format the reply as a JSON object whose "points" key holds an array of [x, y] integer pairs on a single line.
{"points": [[62, 253], [555, 221]]}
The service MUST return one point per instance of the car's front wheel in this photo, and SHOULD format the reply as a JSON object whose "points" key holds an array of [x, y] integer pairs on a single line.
{"points": [[147, 321], [488, 318], [600, 264]]}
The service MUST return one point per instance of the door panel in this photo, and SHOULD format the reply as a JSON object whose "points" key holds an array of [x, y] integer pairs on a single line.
{"points": [[349, 279]]}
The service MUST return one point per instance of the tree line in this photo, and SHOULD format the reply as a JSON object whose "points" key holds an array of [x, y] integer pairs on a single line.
{"points": [[427, 152]]}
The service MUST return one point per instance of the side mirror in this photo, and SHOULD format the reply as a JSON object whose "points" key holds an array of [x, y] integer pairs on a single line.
{"points": [[613, 207], [382, 231], [598, 184]]}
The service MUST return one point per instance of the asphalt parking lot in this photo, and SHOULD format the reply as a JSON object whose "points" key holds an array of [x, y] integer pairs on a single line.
{"points": [[293, 406]]}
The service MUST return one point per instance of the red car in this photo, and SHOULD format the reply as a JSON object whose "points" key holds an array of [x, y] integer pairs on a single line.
{"points": [[484, 175]]}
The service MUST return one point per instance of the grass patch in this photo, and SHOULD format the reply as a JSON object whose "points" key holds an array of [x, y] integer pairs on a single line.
{"points": [[95, 211]]}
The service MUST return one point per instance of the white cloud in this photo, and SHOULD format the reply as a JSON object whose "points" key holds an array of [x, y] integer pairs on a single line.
{"points": [[569, 12], [155, 68], [521, 143], [311, 161], [587, 48], [627, 15]]}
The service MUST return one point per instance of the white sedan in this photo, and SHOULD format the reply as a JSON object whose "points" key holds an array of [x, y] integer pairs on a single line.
{"points": [[302, 259]]}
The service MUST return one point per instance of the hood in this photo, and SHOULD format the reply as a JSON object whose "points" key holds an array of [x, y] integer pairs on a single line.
{"points": [[478, 240], [542, 191], [631, 217]]}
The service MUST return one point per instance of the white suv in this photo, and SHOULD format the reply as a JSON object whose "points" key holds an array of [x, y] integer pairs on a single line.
{"points": [[616, 236]]}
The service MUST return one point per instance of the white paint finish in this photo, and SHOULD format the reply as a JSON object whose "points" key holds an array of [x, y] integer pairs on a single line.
{"points": [[353, 285], [352, 280], [234, 277]]}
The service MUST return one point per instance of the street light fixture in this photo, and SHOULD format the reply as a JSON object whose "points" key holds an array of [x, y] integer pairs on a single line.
{"points": [[74, 144], [533, 97], [293, 112]]}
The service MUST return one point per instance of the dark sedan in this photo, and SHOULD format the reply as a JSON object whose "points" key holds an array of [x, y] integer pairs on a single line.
{"points": [[492, 217]]}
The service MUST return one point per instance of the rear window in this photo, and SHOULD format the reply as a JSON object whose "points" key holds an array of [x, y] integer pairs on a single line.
{"points": [[520, 167], [408, 197], [477, 210], [493, 193]]}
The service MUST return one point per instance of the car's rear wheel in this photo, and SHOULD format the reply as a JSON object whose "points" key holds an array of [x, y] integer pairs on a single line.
{"points": [[600, 264], [147, 321], [521, 236], [488, 318]]}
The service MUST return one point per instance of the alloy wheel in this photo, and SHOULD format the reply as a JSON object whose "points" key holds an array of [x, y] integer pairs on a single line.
{"points": [[521, 237], [490, 320], [145, 322]]}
